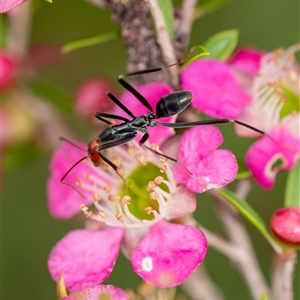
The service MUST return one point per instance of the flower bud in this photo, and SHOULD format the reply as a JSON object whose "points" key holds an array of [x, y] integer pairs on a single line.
{"points": [[285, 224], [8, 72], [91, 96]]}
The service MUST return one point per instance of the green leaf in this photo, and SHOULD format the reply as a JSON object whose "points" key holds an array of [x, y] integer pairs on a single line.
{"points": [[207, 6], [250, 214], [166, 7], [222, 44], [90, 41], [195, 53], [52, 94], [292, 191]]}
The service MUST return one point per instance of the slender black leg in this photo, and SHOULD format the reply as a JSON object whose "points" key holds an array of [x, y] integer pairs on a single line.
{"points": [[120, 104], [111, 145], [66, 174], [146, 137], [133, 91], [61, 138], [208, 122], [101, 116]]}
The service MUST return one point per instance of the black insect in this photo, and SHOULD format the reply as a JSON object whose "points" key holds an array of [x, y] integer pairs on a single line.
{"points": [[119, 134]]}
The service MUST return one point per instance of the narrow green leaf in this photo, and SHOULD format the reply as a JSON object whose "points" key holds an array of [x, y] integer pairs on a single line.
{"points": [[90, 41], [222, 44], [166, 7], [195, 53], [250, 214], [292, 191], [52, 94]]}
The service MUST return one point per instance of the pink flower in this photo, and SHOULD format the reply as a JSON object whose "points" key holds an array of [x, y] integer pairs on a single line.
{"points": [[216, 91], [133, 216], [285, 224], [107, 292], [125, 217], [270, 112], [214, 168], [9, 69], [246, 60], [7, 5]]}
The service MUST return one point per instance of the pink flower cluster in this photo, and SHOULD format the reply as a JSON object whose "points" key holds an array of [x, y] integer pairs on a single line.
{"points": [[253, 87], [135, 217]]}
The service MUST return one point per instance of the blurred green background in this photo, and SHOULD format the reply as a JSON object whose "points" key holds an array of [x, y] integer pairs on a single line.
{"points": [[29, 233]]}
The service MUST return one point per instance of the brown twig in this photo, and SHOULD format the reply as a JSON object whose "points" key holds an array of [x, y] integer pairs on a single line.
{"points": [[282, 276]]}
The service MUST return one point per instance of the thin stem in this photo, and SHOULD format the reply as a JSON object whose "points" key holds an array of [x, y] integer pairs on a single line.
{"points": [[188, 8], [163, 39], [19, 30], [282, 279], [200, 286], [246, 260]]}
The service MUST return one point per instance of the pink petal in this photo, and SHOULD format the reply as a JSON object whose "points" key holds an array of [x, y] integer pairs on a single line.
{"points": [[85, 257], [182, 203], [169, 254], [153, 92], [63, 200], [212, 168], [107, 292], [265, 152], [285, 224], [247, 60], [7, 5], [216, 91]]}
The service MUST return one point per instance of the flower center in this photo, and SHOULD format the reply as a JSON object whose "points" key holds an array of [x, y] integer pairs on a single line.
{"points": [[137, 196], [137, 189]]}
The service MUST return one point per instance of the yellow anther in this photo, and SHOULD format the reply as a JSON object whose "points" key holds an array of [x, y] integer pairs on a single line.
{"points": [[101, 214], [158, 180], [125, 200], [148, 210], [89, 214], [84, 208], [96, 197], [142, 160], [153, 195], [151, 186], [120, 217], [114, 198], [131, 151], [107, 188]]}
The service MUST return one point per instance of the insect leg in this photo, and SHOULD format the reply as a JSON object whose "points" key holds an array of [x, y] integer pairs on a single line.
{"points": [[133, 91], [108, 145], [208, 122], [120, 104], [101, 116]]}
